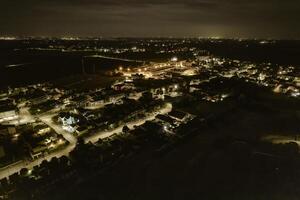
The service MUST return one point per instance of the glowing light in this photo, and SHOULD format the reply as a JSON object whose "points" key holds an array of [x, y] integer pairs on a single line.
{"points": [[277, 89], [297, 94], [165, 128], [174, 59]]}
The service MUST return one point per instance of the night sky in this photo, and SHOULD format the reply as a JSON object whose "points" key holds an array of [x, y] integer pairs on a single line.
{"points": [[154, 18]]}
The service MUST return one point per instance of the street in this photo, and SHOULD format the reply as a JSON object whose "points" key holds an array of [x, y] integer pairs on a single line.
{"points": [[47, 119], [104, 134]]}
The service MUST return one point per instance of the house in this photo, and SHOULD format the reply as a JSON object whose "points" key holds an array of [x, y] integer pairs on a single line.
{"points": [[123, 86], [137, 76], [119, 86], [178, 115], [81, 100], [37, 151], [67, 119], [38, 97], [96, 102], [115, 97], [7, 110], [166, 120], [8, 130]]}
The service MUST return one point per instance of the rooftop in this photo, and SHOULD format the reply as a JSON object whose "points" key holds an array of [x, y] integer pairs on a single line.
{"points": [[177, 114]]}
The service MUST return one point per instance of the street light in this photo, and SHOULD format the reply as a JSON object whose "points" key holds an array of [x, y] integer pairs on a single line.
{"points": [[165, 128], [174, 59]]}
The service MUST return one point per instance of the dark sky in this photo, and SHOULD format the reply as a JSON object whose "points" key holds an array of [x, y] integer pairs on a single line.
{"points": [[192, 18]]}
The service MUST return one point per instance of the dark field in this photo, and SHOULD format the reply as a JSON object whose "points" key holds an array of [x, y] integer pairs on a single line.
{"points": [[44, 60]]}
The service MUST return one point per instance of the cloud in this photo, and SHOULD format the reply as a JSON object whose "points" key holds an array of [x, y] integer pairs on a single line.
{"points": [[256, 18]]}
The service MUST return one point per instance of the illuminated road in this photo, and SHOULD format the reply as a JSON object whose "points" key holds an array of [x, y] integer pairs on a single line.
{"points": [[11, 169], [47, 118], [17, 65], [104, 134], [113, 58], [24, 117], [281, 139]]}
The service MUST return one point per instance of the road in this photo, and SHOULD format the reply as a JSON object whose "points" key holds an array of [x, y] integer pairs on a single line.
{"points": [[114, 58], [104, 134], [11, 169], [47, 118], [24, 117]]}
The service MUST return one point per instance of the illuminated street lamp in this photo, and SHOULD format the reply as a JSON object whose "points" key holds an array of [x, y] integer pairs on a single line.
{"points": [[165, 127], [174, 59]]}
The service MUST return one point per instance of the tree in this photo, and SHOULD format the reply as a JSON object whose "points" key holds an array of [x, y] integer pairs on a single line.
{"points": [[64, 161], [23, 171], [125, 129]]}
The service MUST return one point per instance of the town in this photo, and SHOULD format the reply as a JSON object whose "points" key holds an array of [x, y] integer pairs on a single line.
{"points": [[50, 130]]}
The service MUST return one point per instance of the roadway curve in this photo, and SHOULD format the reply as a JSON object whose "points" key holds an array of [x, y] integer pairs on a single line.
{"points": [[47, 118]]}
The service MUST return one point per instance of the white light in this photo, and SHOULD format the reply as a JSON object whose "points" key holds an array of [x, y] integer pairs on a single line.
{"points": [[174, 59], [297, 94], [165, 127]]}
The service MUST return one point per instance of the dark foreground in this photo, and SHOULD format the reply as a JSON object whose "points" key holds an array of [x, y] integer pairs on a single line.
{"points": [[225, 158]]}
